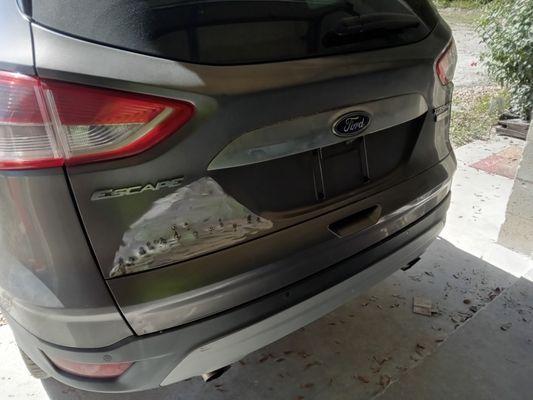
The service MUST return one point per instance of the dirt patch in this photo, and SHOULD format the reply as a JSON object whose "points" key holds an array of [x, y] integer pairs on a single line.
{"points": [[2, 320]]}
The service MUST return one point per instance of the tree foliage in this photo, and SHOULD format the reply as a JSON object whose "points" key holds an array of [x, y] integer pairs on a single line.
{"points": [[507, 30]]}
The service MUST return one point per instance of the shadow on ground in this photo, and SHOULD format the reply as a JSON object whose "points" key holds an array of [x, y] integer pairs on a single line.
{"points": [[374, 341]]}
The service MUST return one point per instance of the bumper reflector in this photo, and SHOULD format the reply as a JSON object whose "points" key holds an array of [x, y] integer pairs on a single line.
{"points": [[88, 370]]}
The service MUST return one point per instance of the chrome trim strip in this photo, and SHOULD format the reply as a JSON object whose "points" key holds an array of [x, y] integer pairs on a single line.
{"points": [[315, 131]]}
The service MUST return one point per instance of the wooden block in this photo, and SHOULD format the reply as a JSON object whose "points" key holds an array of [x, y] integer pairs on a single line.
{"points": [[500, 130]]}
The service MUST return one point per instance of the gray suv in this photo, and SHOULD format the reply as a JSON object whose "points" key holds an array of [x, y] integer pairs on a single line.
{"points": [[185, 181]]}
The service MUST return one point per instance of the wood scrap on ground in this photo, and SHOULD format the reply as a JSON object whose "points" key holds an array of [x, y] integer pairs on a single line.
{"points": [[516, 128]]}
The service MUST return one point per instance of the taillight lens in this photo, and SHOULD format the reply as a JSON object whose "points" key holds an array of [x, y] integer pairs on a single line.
{"points": [[445, 66], [50, 123], [88, 370], [26, 137]]}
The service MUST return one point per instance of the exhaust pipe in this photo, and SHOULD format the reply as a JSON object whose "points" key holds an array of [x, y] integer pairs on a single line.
{"points": [[410, 264], [211, 376]]}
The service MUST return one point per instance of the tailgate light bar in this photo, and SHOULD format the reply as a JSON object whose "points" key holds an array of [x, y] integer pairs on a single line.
{"points": [[45, 123]]}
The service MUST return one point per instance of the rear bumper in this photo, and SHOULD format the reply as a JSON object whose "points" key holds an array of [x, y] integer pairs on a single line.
{"points": [[208, 344]]}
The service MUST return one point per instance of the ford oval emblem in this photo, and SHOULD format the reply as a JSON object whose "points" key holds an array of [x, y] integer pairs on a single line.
{"points": [[351, 124]]}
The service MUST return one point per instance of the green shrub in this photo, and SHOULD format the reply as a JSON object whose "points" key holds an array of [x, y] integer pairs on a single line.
{"points": [[507, 29]]}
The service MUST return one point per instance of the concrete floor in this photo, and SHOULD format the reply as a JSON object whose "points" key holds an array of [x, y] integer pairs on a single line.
{"points": [[375, 346]]}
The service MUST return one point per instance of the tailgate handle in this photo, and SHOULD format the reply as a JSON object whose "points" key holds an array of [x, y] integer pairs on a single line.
{"points": [[356, 222]]}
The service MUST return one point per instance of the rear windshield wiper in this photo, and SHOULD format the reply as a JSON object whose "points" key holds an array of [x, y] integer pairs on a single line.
{"points": [[375, 22]]}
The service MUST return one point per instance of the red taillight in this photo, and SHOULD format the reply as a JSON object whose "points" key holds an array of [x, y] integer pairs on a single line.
{"points": [[88, 370], [26, 136], [445, 65], [50, 123]]}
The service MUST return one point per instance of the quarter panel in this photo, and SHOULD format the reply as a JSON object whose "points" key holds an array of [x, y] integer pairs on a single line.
{"points": [[49, 282]]}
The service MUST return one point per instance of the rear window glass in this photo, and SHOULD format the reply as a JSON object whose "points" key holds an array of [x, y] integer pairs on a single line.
{"points": [[240, 31]]}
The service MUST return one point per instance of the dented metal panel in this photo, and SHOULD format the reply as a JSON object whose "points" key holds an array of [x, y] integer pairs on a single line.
{"points": [[195, 219]]}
